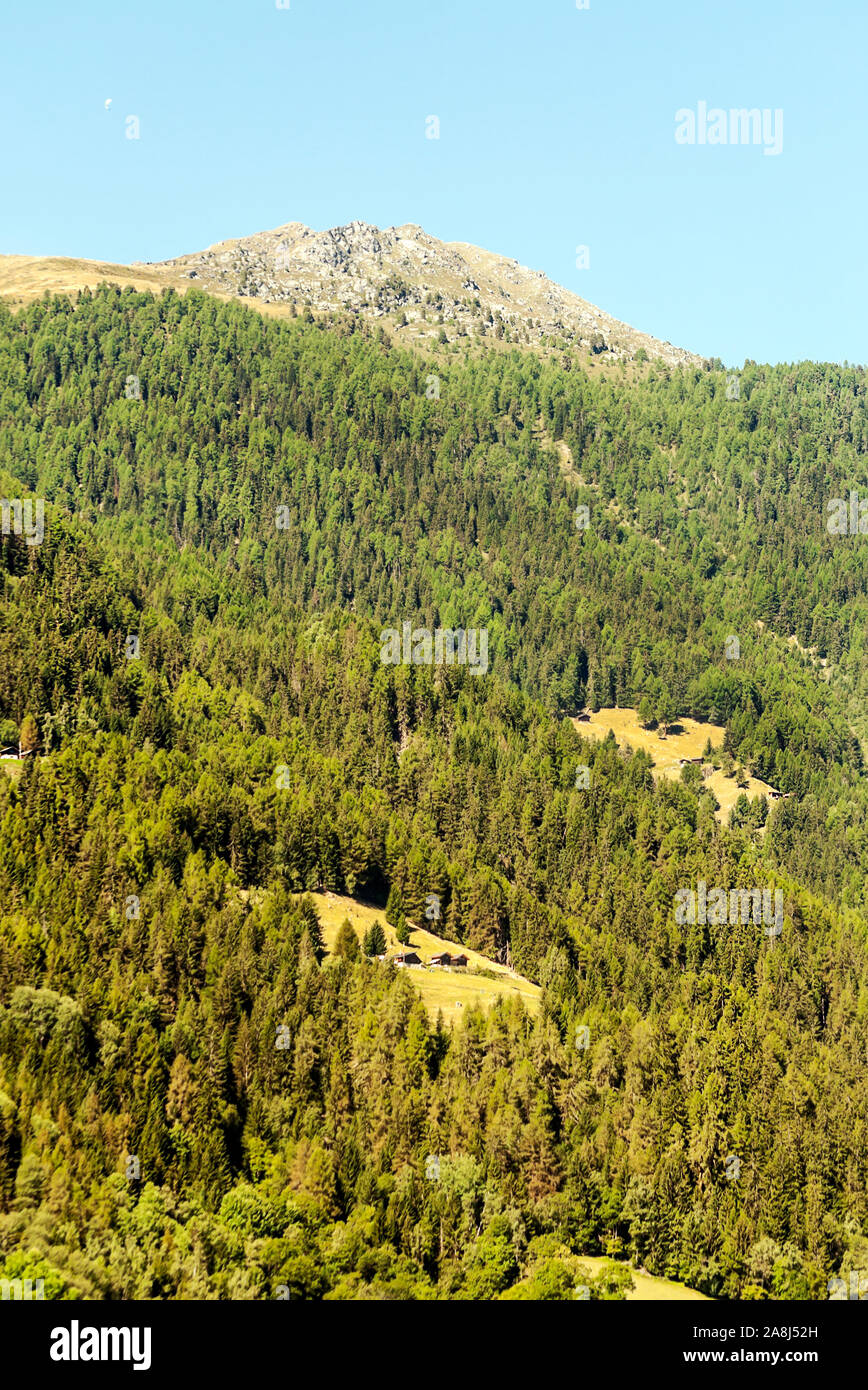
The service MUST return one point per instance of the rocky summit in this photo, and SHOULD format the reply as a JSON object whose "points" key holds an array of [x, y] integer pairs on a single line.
{"points": [[427, 286]]}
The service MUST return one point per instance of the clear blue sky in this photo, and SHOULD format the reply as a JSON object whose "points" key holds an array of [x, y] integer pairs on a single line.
{"points": [[557, 129]]}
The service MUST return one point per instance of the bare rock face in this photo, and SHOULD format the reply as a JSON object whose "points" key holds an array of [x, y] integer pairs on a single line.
{"points": [[440, 288]]}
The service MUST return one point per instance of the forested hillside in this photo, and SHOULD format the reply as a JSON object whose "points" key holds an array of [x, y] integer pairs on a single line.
{"points": [[193, 1102], [318, 467]]}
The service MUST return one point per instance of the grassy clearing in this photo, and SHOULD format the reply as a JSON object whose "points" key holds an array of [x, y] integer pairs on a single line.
{"points": [[648, 1288], [449, 991], [727, 791], [689, 742], [666, 752]]}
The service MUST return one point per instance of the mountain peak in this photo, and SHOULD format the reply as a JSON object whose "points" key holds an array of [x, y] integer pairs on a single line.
{"points": [[430, 286]]}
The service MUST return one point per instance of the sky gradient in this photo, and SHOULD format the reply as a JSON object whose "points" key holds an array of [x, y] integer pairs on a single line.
{"points": [[557, 129]]}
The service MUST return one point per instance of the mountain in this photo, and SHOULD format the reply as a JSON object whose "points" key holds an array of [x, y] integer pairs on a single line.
{"points": [[422, 286], [404, 270]]}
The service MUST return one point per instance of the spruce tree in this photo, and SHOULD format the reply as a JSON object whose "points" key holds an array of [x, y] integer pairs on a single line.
{"points": [[347, 943], [394, 905], [375, 941]]}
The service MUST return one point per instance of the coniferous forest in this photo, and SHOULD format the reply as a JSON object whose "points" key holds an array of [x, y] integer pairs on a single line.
{"points": [[197, 1100]]}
